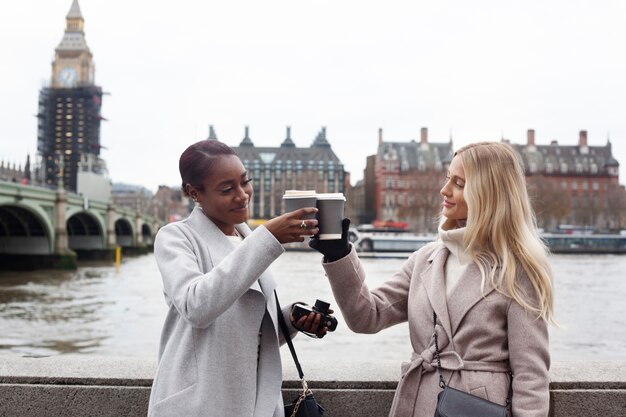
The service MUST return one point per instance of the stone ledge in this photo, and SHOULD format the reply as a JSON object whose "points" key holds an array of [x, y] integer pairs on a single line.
{"points": [[110, 386]]}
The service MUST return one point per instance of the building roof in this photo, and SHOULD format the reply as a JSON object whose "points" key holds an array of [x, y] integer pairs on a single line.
{"points": [[415, 155], [74, 12], [74, 37], [288, 153], [566, 159], [73, 41]]}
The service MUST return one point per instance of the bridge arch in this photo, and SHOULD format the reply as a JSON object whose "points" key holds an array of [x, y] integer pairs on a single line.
{"points": [[124, 235], [24, 231], [85, 232], [147, 234]]}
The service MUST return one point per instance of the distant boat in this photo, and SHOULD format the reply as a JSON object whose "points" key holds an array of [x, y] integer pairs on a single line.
{"points": [[368, 238], [584, 242]]}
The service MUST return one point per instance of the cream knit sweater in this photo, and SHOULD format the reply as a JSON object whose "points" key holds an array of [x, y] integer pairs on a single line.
{"points": [[458, 260]]}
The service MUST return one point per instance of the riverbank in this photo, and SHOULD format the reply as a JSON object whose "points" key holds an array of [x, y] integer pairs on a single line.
{"points": [[77, 386]]}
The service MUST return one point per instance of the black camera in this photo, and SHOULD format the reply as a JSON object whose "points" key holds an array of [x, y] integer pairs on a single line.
{"points": [[320, 307]]}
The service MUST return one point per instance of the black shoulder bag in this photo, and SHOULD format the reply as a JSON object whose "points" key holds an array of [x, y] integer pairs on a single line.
{"points": [[305, 405], [454, 403]]}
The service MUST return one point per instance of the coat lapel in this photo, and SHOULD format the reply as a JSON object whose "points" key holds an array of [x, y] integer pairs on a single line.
{"points": [[433, 282], [217, 244], [466, 294], [266, 283]]}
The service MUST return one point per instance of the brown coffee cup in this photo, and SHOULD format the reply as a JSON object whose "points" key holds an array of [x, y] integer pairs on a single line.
{"points": [[330, 215], [295, 199]]}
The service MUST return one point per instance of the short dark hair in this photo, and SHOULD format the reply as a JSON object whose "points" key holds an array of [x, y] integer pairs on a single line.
{"points": [[197, 160]]}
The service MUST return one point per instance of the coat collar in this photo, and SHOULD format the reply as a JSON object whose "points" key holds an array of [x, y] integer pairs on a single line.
{"points": [[433, 282], [464, 296], [218, 246]]}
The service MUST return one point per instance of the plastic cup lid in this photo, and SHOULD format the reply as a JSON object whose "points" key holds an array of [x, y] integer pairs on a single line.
{"points": [[299, 193], [331, 196]]}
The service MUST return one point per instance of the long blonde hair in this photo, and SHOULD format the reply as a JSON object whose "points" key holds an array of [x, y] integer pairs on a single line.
{"points": [[501, 234]]}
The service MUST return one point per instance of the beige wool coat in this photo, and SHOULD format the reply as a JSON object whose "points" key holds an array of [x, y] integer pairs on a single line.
{"points": [[219, 296], [481, 335]]}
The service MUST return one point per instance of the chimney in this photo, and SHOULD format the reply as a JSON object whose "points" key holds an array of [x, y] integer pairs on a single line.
{"points": [[530, 135], [380, 135], [582, 139], [212, 135], [424, 135]]}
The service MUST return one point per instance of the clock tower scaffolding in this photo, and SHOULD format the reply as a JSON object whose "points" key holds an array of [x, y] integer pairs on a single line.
{"points": [[69, 108]]}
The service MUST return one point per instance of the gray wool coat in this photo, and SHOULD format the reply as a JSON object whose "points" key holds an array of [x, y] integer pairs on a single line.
{"points": [[220, 296], [481, 335]]}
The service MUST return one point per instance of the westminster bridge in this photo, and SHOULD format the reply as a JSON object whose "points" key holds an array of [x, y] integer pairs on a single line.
{"points": [[45, 228]]}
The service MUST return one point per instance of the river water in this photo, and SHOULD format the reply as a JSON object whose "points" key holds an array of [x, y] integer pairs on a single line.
{"points": [[99, 311]]}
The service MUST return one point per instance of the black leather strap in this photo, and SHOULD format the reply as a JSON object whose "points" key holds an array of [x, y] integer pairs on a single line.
{"points": [[287, 336]]}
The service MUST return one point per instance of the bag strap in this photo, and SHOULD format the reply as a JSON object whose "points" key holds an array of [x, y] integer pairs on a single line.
{"points": [[442, 382], [287, 336]]}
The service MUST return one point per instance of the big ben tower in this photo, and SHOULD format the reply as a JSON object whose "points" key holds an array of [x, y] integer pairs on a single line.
{"points": [[69, 109]]}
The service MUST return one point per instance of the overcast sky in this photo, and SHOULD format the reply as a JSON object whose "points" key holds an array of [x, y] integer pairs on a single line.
{"points": [[476, 70]]}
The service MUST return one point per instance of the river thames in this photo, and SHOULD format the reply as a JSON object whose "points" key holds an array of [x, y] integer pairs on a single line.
{"points": [[98, 311]]}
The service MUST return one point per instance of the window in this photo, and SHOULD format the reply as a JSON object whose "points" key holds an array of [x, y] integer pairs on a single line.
{"points": [[563, 168], [267, 157]]}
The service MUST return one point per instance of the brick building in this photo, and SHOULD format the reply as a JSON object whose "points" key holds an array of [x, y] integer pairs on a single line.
{"points": [[574, 184], [568, 184], [402, 181]]}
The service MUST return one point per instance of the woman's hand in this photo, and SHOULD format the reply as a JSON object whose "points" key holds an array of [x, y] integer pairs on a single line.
{"points": [[311, 323], [291, 228], [333, 249]]}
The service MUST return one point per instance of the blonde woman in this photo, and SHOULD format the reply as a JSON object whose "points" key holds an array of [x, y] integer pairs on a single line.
{"points": [[488, 280]]}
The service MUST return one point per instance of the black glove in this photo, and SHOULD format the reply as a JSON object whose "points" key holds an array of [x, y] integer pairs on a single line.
{"points": [[333, 249]]}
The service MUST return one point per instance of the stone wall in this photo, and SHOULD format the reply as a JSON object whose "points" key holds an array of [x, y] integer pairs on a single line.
{"points": [[73, 386]]}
